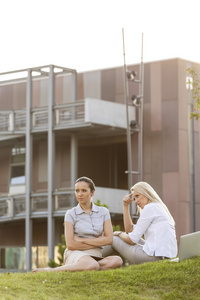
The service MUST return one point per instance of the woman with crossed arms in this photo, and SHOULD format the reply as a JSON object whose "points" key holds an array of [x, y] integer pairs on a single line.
{"points": [[87, 229], [155, 224]]}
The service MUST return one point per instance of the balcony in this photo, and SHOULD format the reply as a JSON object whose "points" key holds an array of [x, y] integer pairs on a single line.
{"points": [[85, 113], [14, 207]]}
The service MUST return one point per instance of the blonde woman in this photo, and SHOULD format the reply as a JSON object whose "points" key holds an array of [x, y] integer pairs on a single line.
{"points": [[155, 224]]}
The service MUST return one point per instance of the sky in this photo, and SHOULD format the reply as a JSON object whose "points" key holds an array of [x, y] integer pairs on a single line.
{"points": [[87, 34]]}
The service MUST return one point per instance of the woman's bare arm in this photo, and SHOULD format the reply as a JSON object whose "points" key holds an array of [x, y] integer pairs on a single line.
{"points": [[128, 224], [124, 236], [103, 240], [71, 242]]}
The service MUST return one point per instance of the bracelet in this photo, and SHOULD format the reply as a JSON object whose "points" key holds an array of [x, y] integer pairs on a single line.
{"points": [[119, 233]]}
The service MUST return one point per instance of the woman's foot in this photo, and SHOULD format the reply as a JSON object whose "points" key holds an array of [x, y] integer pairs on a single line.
{"points": [[41, 270]]}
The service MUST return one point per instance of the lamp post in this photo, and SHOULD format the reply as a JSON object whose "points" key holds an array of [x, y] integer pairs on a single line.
{"points": [[129, 154], [137, 102], [140, 142]]}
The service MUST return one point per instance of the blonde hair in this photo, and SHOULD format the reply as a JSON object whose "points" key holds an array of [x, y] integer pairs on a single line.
{"points": [[146, 190]]}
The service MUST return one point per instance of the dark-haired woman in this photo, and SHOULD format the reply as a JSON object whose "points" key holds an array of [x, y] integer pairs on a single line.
{"points": [[87, 229]]}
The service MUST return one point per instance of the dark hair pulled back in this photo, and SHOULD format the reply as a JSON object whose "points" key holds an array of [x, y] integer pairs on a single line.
{"points": [[88, 181]]}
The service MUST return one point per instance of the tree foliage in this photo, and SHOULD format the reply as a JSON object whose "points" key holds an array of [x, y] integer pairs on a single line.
{"points": [[61, 250], [98, 203], [195, 83]]}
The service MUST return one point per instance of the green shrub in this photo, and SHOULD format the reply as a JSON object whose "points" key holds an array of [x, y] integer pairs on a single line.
{"points": [[61, 250]]}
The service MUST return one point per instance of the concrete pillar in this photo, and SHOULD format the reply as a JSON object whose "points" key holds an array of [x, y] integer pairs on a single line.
{"points": [[51, 159], [28, 173], [74, 162]]}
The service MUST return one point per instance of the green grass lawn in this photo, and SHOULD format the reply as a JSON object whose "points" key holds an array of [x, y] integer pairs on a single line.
{"points": [[158, 280]]}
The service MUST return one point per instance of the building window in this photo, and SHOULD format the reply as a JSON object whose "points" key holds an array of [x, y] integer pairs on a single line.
{"points": [[17, 171], [189, 83]]}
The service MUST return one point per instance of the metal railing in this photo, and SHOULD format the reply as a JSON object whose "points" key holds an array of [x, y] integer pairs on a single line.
{"points": [[64, 115], [63, 200], [5, 121], [39, 202], [15, 206], [5, 207], [69, 114]]}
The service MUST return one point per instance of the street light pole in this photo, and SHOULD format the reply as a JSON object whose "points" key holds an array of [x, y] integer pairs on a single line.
{"points": [[137, 102], [140, 142], [129, 155]]}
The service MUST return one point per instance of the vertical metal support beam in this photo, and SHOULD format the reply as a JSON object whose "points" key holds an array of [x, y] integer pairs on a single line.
{"points": [[140, 140], [11, 209], [28, 172], [74, 162], [51, 159], [74, 141], [191, 159], [11, 126]]}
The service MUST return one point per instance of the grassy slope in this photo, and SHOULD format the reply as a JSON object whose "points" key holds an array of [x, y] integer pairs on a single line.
{"points": [[158, 280]]}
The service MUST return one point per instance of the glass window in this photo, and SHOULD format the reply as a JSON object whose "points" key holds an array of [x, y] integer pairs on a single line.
{"points": [[17, 171], [17, 174], [189, 83]]}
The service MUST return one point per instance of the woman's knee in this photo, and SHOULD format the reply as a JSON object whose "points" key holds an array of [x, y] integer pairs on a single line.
{"points": [[92, 265], [117, 261], [110, 262], [88, 263]]}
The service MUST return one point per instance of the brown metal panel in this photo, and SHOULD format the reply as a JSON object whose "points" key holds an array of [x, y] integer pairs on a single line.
{"points": [[170, 136], [169, 73], [184, 167], [170, 183], [183, 222], [108, 85], [80, 88], [156, 161], [147, 85], [197, 167], [6, 97], [36, 93], [5, 169], [155, 95], [58, 90], [12, 234], [119, 85], [19, 95]]}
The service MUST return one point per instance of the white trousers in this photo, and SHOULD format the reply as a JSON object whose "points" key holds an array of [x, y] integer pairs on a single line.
{"points": [[133, 253]]}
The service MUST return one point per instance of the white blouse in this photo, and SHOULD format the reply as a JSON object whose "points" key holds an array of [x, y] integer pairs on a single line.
{"points": [[158, 230]]}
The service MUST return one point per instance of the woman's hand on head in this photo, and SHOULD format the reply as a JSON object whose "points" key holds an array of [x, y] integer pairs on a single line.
{"points": [[127, 200]]}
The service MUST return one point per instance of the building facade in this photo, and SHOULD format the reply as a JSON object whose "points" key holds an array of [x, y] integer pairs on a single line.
{"points": [[57, 125]]}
